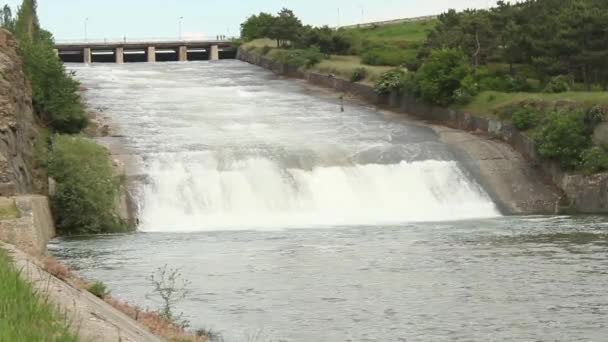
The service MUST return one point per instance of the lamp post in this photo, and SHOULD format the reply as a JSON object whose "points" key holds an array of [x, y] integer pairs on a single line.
{"points": [[180, 27], [86, 29]]}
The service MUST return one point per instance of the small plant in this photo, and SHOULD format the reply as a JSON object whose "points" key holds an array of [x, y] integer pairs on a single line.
{"points": [[99, 289], [359, 74], [524, 119], [171, 287]]}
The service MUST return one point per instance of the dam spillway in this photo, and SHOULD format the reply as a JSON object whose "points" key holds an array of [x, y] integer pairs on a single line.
{"points": [[231, 147]]}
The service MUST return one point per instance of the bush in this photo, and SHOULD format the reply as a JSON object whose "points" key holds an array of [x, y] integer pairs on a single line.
{"points": [[441, 75], [98, 289], [359, 74], [87, 190], [564, 137], [265, 50], [558, 84], [524, 119], [298, 57], [393, 80], [594, 160]]}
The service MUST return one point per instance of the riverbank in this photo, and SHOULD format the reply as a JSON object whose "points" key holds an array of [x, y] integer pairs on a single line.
{"points": [[493, 149]]}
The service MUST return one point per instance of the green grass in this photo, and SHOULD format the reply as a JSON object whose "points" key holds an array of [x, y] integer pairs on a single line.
{"points": [[8, 209], [24, 314], [489, 103], [409, 32], [343, 67]]}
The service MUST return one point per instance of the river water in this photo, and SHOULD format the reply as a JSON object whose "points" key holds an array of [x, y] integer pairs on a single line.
{"points": [[297, 221]]}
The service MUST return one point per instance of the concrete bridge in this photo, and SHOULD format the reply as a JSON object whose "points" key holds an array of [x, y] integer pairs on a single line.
{"points": [[145, 50]]}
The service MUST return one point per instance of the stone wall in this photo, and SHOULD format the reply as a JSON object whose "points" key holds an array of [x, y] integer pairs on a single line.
{"points": [[583, 194], [18, 129], [34, 227]]}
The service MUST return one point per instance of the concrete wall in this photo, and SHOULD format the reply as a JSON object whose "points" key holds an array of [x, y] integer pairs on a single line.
{"points": [[33, 229], [582, 193]]}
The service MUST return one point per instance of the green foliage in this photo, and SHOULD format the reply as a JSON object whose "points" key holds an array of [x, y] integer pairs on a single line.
{"points": [[99, 289], [6, 19], [87, 189], [358, 75], [563, 137], [557, 84], [257, 26], [594, 160], [548, 37], [170, 285], [441, 76], [25, 314], [524, 119], [298, 57], [328, 40], [55, 93], [390, 81]]}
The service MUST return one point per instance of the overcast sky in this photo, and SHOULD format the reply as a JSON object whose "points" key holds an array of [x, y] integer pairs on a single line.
{"points": [[160, 18]]}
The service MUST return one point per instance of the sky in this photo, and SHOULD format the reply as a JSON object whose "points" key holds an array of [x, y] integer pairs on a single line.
{"points": [[139, 19]]}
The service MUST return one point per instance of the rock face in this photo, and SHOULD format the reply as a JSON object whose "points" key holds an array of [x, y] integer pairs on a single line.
{"points": [[18, 129]]}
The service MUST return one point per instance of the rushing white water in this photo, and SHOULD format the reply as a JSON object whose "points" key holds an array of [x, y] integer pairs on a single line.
{"points": [[230, 146]]}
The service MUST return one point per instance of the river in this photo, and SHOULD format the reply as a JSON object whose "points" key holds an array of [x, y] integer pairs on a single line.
{"points": [[295, 220]]}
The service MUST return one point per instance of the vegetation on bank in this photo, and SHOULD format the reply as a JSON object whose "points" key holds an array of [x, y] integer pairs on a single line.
{"points": [[531, 55], [25, 314], [87, 190]]}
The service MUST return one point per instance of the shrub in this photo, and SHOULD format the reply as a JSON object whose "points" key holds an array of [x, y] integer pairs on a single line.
{"points": [[87, 189], [558, 84], [441, 75], [393, 80], [564, 137], [359, 74], [594, 159], [99, 289], [299, 57], [524, 119]]}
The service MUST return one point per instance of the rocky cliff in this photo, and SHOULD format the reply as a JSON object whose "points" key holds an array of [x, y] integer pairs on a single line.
{"points": [[18, 129]]}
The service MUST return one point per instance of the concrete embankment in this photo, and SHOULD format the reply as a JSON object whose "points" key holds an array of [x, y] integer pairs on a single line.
{"points": [[502, 159], [89, 316]]}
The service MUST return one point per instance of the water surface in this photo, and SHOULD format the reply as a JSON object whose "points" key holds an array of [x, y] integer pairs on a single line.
{"points": [[296, 221]]}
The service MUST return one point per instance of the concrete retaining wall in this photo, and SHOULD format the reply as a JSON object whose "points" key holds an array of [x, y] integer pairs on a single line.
{"points": [[33, 229], [582, 193]]}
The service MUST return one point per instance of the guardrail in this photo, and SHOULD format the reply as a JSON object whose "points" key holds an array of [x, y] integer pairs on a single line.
{"points": [[126, 40], [390, 22]]}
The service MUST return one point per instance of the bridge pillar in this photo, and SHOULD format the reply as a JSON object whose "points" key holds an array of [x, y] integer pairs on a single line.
{"points": [[88, 57], [120, 55], [183, 54], [151, 54], [214, 53]]}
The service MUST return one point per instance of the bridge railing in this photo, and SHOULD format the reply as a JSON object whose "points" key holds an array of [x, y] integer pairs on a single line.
{"points": [[126, 40]]}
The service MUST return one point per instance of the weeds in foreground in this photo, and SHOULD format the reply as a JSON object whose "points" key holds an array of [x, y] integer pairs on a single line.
{"points": [[25, 314], [171, 287]]}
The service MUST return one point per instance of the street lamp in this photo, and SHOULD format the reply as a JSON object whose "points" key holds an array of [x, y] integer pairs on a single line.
{"points": [[180, 27], [86, 28]]}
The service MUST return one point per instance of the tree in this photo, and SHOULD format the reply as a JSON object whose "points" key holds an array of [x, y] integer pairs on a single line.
{"points": [[257, 26], [441, 75], [6, 18], [286, 27]]}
